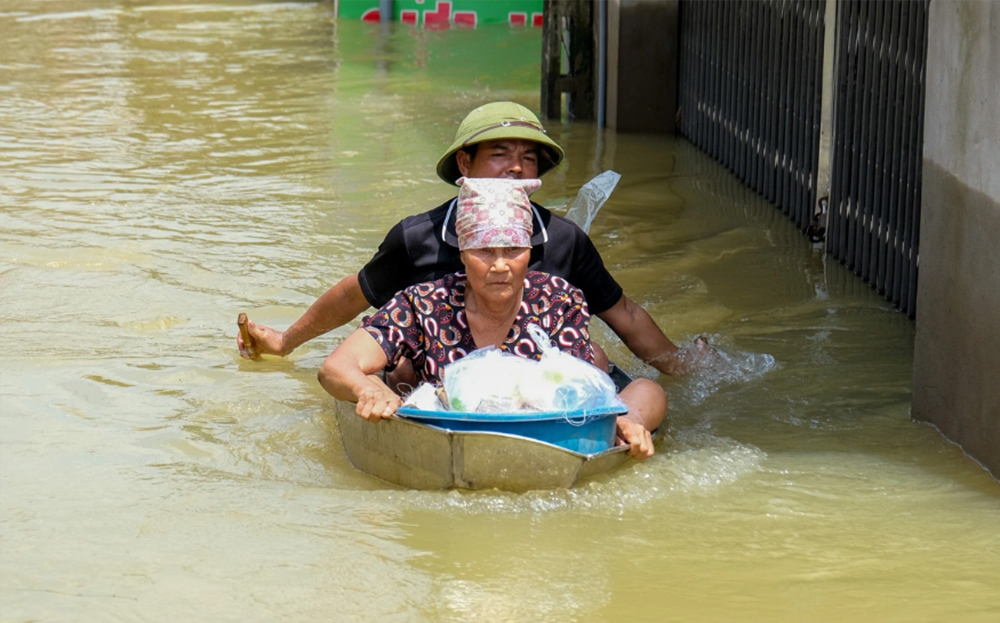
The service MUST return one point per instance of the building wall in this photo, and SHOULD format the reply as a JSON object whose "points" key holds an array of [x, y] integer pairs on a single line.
{"points": [[642, 65], [957, 350]]}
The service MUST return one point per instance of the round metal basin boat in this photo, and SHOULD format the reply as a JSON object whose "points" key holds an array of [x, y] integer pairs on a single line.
{"points": [[445, 451], [412, 454]]}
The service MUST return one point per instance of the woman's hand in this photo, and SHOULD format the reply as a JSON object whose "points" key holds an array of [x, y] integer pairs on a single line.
{"points": [[347, 374], [376, 401], [647, 406], [634, 433]]}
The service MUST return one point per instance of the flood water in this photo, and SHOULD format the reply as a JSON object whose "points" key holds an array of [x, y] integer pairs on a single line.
{"points": [[164, 167]]}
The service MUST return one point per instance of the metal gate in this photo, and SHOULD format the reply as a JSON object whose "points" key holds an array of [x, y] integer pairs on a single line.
{"points": [[750, 93], [874, 218], [751, 97]]}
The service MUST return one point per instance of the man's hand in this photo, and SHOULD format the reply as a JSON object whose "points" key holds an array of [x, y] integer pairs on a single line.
{"points": [[643, 337], [266, 341], [696, 357], [634, 433], [335, 308], [376, 402]]}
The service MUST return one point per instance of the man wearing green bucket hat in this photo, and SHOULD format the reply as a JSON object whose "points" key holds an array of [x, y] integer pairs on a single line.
{"points": [[503, 122], [501, 140]]}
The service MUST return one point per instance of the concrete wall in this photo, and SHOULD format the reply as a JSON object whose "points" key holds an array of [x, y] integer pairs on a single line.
{"points": [[957, 351]]}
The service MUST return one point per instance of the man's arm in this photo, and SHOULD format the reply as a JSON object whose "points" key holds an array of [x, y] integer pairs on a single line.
{"points": [[644, 338], [336, 307]]}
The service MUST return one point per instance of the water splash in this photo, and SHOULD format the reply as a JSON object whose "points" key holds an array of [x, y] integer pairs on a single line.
{"points": [[729, 368], [695, 464]]}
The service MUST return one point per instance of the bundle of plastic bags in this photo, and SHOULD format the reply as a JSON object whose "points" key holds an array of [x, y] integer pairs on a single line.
{"points": [[492, 381]]}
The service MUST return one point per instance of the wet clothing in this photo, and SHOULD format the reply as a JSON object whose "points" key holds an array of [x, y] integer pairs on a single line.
{"points": [[417, 250], [426, 323]]}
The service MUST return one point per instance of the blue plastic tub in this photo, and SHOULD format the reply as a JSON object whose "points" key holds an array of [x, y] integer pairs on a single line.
{"points": [[586, 432]]}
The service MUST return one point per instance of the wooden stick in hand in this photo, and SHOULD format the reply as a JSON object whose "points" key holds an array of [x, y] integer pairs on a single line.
{"points": [[248, 342]]}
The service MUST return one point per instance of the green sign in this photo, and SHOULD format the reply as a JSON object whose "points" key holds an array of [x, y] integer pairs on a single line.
{"points": [[442, 14]]}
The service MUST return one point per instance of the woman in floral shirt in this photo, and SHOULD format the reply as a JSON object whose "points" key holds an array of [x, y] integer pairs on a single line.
{"points": [[491, 304], [428, 323]]}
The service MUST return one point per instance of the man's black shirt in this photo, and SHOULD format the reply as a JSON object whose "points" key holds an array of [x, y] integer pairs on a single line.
{"points": [[414, 251]]}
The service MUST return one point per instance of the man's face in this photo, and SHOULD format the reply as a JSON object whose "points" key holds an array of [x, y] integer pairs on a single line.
{"points": [[504, 158]]}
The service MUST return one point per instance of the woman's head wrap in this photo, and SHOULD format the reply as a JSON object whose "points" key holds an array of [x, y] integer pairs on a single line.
{"points": [[494, 212]]}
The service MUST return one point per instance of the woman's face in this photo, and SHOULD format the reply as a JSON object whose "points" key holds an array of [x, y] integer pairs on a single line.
{"points": [[496, 274]]}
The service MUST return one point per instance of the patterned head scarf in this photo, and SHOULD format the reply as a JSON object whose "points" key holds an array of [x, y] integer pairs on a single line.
{"points": [[494, 212]]}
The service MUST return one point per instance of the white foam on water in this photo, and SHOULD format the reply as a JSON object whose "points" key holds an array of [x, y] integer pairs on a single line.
{"points": [[696, 464], [730, 368]]}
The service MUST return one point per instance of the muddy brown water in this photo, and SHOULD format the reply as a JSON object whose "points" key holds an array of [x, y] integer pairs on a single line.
{"points": [[164, 167]]}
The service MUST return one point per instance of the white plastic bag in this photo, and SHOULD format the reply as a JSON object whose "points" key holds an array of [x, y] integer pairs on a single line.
{"points": [[486, 381], [562, 382], [492, 381], [425, 398]]}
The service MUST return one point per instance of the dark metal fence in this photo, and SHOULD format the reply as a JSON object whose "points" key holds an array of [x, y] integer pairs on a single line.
{"points": [[750, 93], [874, 217]]}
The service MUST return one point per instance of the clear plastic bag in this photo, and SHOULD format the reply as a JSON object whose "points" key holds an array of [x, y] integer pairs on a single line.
{"points": [[562, 382], [487, 381], [425, 397], [492, 381], [591, 197]]}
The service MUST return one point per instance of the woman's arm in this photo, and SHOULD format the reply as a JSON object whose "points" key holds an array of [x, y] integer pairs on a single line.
{"points": [[347, 374], [646, 400]]}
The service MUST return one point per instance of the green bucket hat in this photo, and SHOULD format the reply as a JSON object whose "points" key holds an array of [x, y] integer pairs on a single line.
{"points": [[494, 121]]}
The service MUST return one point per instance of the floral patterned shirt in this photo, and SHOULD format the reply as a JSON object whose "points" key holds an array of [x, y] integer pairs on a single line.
{"points": [[426, 323]]}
